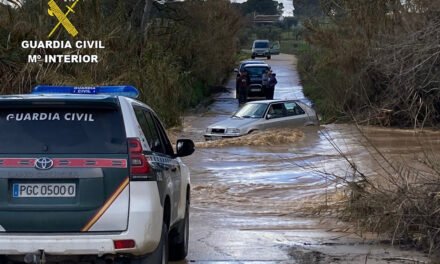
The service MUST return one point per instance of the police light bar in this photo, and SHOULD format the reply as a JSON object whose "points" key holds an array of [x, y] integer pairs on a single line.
{"points": [[123, 90]]}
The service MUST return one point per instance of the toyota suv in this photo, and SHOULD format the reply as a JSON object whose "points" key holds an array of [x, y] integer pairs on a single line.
{"points": [[89, 174], [257, 86]]}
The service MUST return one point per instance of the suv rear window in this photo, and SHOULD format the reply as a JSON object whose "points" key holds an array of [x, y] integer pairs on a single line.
{"points": [[73, 130], [255, 70]]}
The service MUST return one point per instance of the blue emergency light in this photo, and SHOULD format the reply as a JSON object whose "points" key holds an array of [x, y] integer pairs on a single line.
{"points": [[122, 90]]}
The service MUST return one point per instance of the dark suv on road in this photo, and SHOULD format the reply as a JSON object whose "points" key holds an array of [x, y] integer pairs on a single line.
{"points": [[257, 86], [241, 68]]}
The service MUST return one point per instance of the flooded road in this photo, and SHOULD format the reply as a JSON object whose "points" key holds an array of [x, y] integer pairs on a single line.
{"points": [[258, 204]]}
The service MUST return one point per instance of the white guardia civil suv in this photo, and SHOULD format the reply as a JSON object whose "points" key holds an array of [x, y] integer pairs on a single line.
{"points": [[89, 174]]}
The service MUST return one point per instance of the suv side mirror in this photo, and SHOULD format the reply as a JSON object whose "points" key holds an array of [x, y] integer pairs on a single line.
{"points": [[269, 116], [184, 147]]}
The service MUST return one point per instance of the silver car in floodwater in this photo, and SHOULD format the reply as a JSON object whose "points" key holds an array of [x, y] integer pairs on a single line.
{"points": [[261, 115]]}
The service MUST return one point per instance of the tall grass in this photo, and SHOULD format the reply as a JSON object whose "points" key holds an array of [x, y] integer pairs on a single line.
{"points": [[173, 58], [375, 59], [397, 196]]}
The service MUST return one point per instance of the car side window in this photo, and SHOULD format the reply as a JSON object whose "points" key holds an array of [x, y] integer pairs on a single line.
{"points": [[164, 138], [293, 109], [277, 110], [157, 144], [143, 124], [147, 125]]}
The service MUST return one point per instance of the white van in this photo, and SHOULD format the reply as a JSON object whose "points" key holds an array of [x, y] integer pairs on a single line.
{"points": [[261, 48]]}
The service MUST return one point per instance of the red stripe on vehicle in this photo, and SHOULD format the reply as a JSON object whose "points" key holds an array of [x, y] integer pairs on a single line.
{"points": [[90, 163], [17, 163], [65, 163]]}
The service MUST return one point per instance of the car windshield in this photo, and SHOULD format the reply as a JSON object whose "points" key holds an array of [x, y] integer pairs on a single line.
{"points": [[261, 45], [251, 111], [256, 71]]}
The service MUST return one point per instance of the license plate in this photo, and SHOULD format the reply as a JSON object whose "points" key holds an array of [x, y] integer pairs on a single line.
{"points": [[43, 190], [255, 90]]}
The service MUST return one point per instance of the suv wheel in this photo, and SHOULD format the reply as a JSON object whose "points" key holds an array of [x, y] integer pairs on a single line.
{"points": [[268, 57], [179, 241], [160, 254]]}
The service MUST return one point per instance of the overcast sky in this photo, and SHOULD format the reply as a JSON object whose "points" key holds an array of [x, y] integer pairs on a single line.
{"points": [[288, 6]]}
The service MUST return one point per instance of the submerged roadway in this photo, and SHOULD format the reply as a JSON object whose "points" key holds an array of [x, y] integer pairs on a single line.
{"points": [[255, 205]]}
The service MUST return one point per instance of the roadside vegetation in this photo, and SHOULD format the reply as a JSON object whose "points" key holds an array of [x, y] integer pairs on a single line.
{"points": [[173, 52], [377, 63], [397, 197]]}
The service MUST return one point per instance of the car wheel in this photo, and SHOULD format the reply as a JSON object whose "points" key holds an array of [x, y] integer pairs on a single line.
{"points": [[160, 254], [268, 57], [253, 57], [179, 241]]}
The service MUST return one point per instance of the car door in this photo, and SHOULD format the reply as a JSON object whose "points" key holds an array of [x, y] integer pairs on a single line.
{"points": [[275, 48], [295, 115], [61, 162], [161, 157], [171, 166], [287, 114], [276, 117]]}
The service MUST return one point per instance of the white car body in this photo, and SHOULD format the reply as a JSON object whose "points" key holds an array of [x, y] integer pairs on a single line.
{"points": [[237, 125]]}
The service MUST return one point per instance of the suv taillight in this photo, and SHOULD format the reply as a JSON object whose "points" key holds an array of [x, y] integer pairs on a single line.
{"points": [[138, 163]]}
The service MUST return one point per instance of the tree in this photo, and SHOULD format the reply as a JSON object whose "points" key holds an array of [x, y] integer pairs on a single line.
{"points": [[263, 7], [307, 8]]}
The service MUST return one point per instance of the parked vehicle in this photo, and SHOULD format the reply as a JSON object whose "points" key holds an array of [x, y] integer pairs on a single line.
{"points": [[261, 115], [246, 62], [88, 173], [241, 69], [261, 48], [256, 89]]}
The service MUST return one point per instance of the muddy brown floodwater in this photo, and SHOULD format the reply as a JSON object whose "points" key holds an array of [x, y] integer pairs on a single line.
{"points": [[251, 203]]}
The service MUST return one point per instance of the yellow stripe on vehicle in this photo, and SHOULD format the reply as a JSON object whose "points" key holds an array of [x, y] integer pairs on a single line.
{"points": [[106, 205]]}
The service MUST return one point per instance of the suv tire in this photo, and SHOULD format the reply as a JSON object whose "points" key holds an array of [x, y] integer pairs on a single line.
{"points": [[178, 243], [160, 254], [268, 57]]}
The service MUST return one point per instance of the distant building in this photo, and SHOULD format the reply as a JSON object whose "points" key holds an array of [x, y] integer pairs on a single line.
{"points": [[267, 19]]}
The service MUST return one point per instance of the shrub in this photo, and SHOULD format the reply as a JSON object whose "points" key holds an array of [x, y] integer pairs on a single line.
{"points": [[168, 57], [379, 57]]}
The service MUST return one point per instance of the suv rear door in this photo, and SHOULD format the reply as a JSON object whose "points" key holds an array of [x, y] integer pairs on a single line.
{"points": [[161, 156], [63, 166]]}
